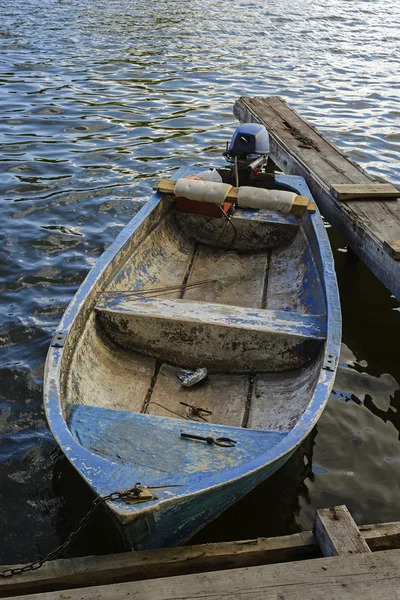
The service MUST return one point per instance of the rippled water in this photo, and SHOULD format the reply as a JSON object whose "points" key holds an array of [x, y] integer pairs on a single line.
{"points": [[97, 99]]}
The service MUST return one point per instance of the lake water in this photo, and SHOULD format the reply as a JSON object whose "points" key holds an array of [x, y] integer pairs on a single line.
{"points": [[98, 99]]}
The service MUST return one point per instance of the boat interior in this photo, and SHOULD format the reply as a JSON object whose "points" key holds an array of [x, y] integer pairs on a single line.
{"points": [[242, 297]]}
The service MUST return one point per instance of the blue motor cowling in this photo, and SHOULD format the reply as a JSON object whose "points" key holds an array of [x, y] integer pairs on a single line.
{"points": [[250, 141]]}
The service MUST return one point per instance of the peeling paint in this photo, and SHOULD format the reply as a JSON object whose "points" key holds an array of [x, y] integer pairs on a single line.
{"points": [[92, 377]]}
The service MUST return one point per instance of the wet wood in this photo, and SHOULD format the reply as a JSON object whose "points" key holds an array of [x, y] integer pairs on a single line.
{"points": [[337, 532], [152, 564], [299, 149], [359, 577], [370, 190]]}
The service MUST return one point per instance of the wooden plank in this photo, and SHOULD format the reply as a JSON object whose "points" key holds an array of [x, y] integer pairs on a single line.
{"points": [[393, 248], [312, 207], [151, 564], [337, 532], [297, 148], [358, 577], [300, 205], [238, 292], [225, 396], [300, 139], [355, 191], [208, 334], [382, 536]]}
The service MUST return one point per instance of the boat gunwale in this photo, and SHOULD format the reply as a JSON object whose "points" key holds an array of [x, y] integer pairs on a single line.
{"points": [[90, 466]]}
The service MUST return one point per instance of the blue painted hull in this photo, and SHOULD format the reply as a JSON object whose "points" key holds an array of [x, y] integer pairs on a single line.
{"points": [[114, 447], [177, 523]]}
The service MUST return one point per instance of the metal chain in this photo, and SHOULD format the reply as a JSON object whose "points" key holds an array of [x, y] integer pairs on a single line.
{"points": [[128, 494]]}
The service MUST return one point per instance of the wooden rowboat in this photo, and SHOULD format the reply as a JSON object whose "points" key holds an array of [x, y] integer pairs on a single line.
{"points": [[255, 301]]}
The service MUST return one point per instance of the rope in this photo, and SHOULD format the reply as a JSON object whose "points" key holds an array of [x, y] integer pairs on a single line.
{"points": [[229, 220], [161, 290], [170, 410], [229, 266], [187, 417]]}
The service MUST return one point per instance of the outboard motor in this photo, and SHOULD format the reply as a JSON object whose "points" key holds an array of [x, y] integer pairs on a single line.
{"points": [[248, 149]]}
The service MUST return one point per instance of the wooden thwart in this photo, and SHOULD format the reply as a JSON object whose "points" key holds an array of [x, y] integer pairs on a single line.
{"points": [[266, 337], [153, 564], [301, 204], [358, 191]]}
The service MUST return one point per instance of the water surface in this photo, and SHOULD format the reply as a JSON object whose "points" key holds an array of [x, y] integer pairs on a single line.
{"points": [[100, 98]]}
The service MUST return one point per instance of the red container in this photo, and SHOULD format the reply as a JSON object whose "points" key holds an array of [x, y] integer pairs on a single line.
{"points": [[203, 208]]}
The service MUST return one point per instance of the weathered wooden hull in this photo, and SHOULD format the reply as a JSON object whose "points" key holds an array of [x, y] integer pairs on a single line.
{"points": [[270, 340], [178, 522]]}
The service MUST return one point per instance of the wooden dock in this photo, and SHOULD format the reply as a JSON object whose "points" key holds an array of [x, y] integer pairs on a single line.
{"points": [[365, 212], [338, 560]]}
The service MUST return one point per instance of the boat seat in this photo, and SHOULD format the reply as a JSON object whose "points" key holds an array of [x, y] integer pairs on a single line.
{"points": [[255, 230], [217, 336]]}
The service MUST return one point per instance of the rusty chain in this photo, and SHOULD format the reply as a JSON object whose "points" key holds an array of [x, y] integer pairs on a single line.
{"points": [[125, 495]]}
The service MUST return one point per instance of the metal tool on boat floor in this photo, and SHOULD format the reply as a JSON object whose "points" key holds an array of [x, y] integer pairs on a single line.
{"points": [[197, 411], [188, 378], [225, 442]]}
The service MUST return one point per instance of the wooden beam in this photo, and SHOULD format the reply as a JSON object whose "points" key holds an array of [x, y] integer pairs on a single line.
{"points": [[382, 536], [393, 248], [358, 577], [167, 562], [301, 204], [151, 564], [357, 191], [337, 532], [297, 148]]}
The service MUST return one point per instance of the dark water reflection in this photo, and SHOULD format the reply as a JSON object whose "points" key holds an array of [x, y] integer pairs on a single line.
{"points": [[99, 98]]}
